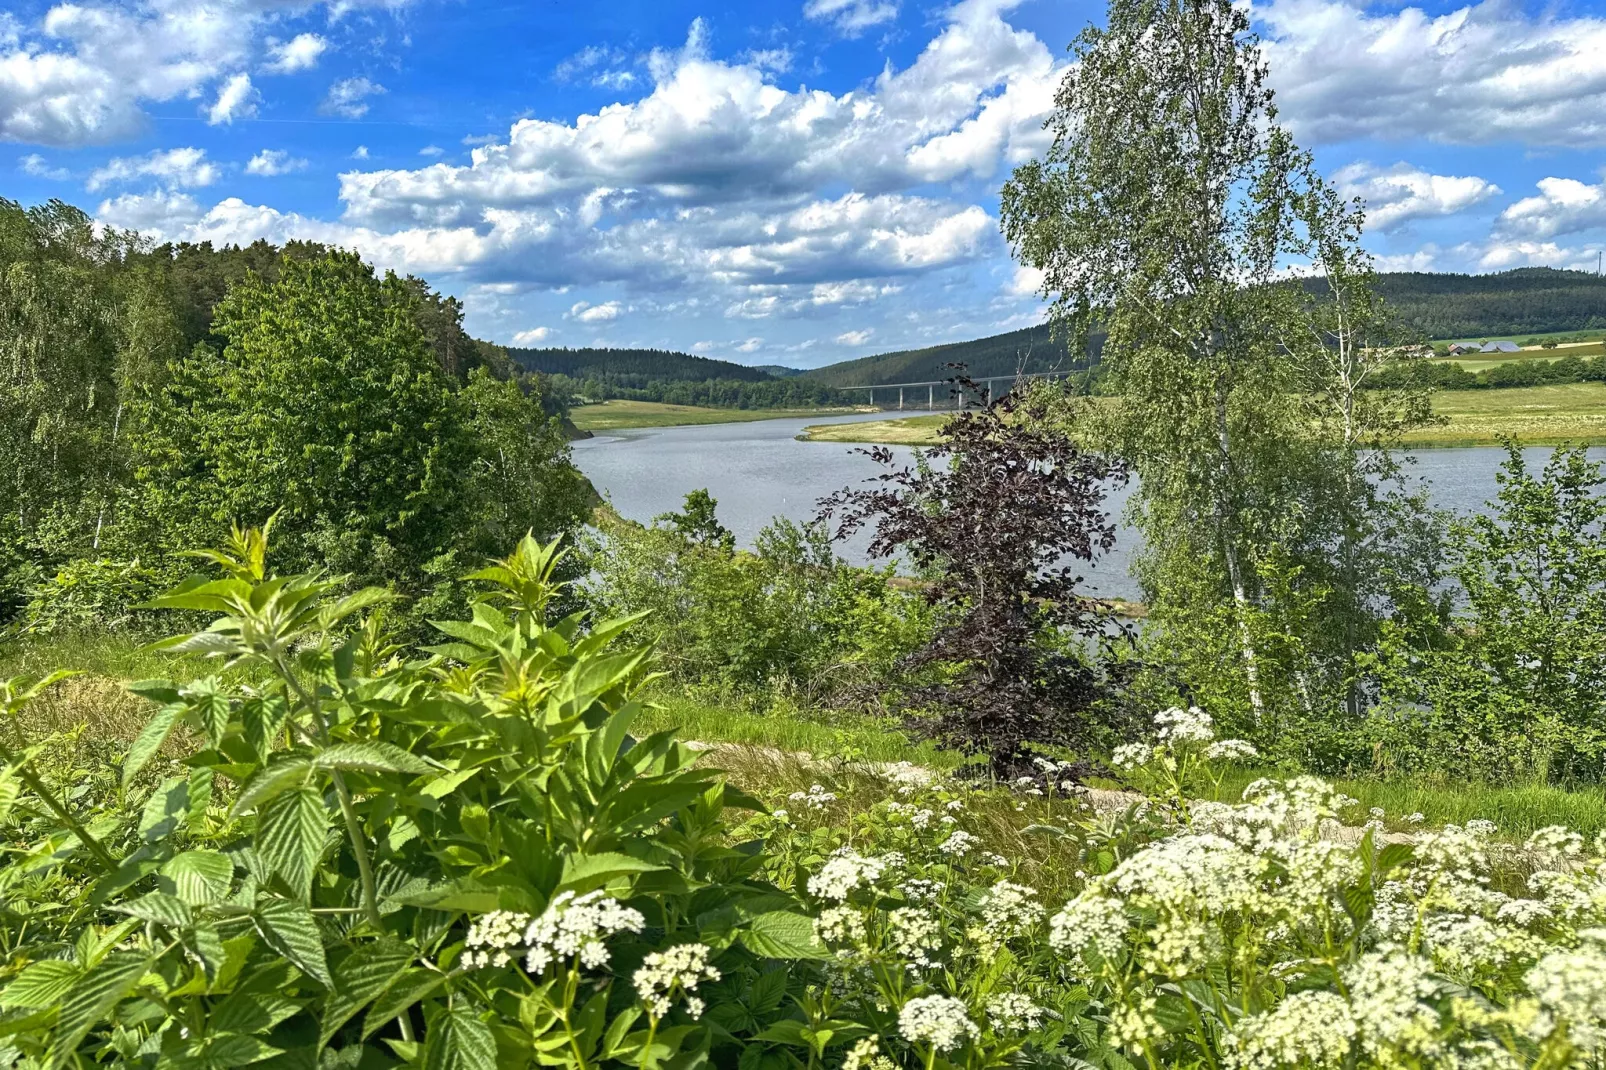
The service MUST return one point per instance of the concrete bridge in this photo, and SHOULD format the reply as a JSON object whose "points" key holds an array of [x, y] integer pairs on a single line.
{"points": [[960, 400]]}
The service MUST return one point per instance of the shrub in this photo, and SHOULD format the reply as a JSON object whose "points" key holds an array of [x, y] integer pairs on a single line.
{"points": [[457, 858]]}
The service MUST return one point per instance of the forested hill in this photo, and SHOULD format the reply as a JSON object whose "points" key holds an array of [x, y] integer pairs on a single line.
{"points": [[633, 367], [1523, 301], [1030, 350]]}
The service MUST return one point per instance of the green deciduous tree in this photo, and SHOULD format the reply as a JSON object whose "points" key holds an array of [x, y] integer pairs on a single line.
{"points": [[1167, 213]]}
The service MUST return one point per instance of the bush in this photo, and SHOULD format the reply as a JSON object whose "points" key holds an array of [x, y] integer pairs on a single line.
{"points": [[457, 860], [788, 612]]}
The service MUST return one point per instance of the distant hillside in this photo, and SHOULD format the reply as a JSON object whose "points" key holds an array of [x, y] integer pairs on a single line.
{"points": [[633, 368], [1029, 350], [1524, 301], [780, 371], [1520, 302]]}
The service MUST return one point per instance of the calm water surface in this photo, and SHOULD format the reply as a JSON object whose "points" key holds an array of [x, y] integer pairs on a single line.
{"points": [[759, 470]]}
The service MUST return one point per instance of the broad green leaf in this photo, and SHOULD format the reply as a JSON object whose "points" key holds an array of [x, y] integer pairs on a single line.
{"points": [[582, 873], [414, 985], [40, 985], [277, 776], [160, 908], [290, 836], [236, 1050], [371, 757], [162, 692], [447, 783], [362, 977], [783, 934], [251, 1012], [166, 809], [206, 946], [150, 741], [197, 877], [262, 719], [10, 791], [91, 998], [291, 930], [458, 1040]]}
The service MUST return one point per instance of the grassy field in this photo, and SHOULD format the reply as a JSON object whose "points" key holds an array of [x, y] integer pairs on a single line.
{"points": [[1570, 412], [619, 415], [1478, 364], [771, 750], [1558, 337]]}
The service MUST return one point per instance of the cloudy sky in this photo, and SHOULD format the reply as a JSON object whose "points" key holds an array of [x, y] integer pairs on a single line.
{"points": [[768, 181]]}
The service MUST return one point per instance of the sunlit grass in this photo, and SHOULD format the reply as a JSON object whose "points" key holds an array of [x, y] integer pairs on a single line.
{"points": [[619, 415]]}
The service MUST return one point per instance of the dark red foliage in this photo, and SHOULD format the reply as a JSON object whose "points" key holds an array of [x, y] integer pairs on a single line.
{"points": [[992, 520]]}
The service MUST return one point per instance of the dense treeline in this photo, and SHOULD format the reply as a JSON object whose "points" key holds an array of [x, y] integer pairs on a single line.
{"points": [[794, 393], [1448, 375], [151, 396], [1507, 303], [1031, 350]]}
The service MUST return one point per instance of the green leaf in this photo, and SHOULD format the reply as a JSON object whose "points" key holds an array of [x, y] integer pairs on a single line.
{"points": [[290, 837], [40, 985], [277, 776], [197, 877], [458, 1040], [251, 1012], [783, 934], [371, 757], [413, 986], [91, 998], [159, 908], [291, 930], [362, 977], [166, 809], [582, 873], [162, 692], [150, 741], [234, 1050], [447, 783]]}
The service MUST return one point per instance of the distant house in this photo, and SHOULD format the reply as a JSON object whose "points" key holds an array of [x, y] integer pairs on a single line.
{"points": [[1500, 347], [1458, 349]]}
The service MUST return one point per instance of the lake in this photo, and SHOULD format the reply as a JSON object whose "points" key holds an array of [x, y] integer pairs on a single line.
{"points": [[759, 470]]}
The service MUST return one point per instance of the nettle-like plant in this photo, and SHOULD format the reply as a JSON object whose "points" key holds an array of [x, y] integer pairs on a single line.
{"points": [[456, 860]]}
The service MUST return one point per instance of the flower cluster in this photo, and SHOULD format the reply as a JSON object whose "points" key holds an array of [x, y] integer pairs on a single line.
{"points": [[1012, 1012], [816, 798], [677, 971], [572, 928], [1177, 725], [941, 1021], [842, 873]]}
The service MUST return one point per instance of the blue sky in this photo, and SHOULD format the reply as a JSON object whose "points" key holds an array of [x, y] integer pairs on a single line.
{"points": [[796, 182]]}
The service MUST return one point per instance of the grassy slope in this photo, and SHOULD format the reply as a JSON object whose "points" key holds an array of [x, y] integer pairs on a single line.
{"points": [[618, 415], [1571, 412], [781, 749]]}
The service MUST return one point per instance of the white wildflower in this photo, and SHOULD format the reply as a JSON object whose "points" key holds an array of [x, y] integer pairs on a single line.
{"points": [[915, 935], [1191, 725], [816, 798], [574, 926], [840, 925], [842, 873], [941, 1021], [1231, 750], [1091, 920], [1131, 755], [1416, 818], [866, 1055], [1556, 843], [958, 844], [1014, 1013], [1387, 988], [1008, 910], [500, 931], [1133, 1023], [1571, 989], [678, 970], [1310, 1029]]}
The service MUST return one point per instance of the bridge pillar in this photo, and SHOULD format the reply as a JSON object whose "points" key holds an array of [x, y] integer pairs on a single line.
{"points": [[900, 399], [931, 397], [872, 397]]}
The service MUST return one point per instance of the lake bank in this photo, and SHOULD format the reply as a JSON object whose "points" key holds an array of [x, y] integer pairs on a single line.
{"points": [[620, 415], [1538, 415]]}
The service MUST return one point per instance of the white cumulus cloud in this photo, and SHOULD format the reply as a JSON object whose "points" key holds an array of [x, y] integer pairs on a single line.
{"points": [[300, 53], [855, 338], [1487, 72], [1563, 206], [173, 167], [589, 313], [272, 162], [851, 16], [37, 166], [1399, 194], [236, 99], [349, 97], [531, 336]]}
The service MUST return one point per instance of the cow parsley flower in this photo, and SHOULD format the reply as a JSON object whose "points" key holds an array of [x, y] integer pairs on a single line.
{"points": [[575, 926], [493, 937], [1387, 989], [941, 1021], [1133, 1023], [1091, 920], [1556, 843], [866, 1055], [1231, 750], [915, 934], [1131, 755], [842, 873], [1008, 910], [840, 925], [1191, 725], [679, 970], [816, 798], [1571, 989], [958, 844], [1309, 1029], [1014, 1013]]}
